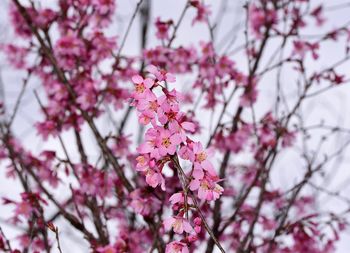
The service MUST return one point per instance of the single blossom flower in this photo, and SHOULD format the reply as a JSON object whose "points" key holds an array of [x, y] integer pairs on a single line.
{"points": [[155, 178], [201, 161], [161, 75], [142, 87], [178, 224], [163, 28], [179, 198], [176, 247], [207, 189]]}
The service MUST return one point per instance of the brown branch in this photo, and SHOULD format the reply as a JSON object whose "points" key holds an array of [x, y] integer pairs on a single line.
{"points": [[176, 27], [61, 76], [19, 99], [6, 240], [235, 121], [58, 241], [175, 160], [128, 28]]}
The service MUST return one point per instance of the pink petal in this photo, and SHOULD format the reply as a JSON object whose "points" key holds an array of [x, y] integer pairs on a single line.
{"points": [[142, 104], [188, 126], [185, 249], [162, 119], [210, 151], [198, 173], [197, 147], [162, 151], [155, 153], [171, 149], [175, 139], [148, 83], [176, 198], [194, 185], [187, 227], [154, 180], [145, 148], [202, 193], [152, 69], [178, 228], [170, 78], [197, 166], [167, 223], [161, 100], [183, 152], [137, 79], [208, 167], [174, 126]]}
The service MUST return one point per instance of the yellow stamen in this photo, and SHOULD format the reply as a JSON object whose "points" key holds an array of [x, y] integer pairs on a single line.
{"points": [[166, 142], [140, 88], [201, 156]]}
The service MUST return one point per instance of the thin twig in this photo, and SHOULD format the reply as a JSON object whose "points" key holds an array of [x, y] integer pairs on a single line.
{"points": [[129, 28]]}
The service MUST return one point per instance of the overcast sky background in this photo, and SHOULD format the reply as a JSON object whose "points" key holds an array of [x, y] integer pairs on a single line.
{"points": [[331, 107]]}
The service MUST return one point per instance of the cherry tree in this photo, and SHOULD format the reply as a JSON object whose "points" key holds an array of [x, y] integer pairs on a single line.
{"points": [[180, 147]]}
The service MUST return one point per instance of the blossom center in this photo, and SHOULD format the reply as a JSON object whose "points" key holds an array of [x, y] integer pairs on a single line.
{"points": [[153, 105], [171, 115], [177, 225], [205, 185], [218, 189], [201, 156], [140, 88], [141, 160], [166, 142]]}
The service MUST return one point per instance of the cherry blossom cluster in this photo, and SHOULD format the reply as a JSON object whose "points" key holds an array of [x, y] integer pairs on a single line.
{"points": [[165, 140], [79, 52], [216, 73]]}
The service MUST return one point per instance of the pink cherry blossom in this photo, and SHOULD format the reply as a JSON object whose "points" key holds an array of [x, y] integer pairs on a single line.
{"points": [[207, 189], [142, 86], [178, 224], [201, 161], [163, 28], [155, 178], [301, 48], [16, 55], [260, 18], [143, 203], [203, 11], [167, 142], [161, 75], [179, 198], [176, 247]]}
